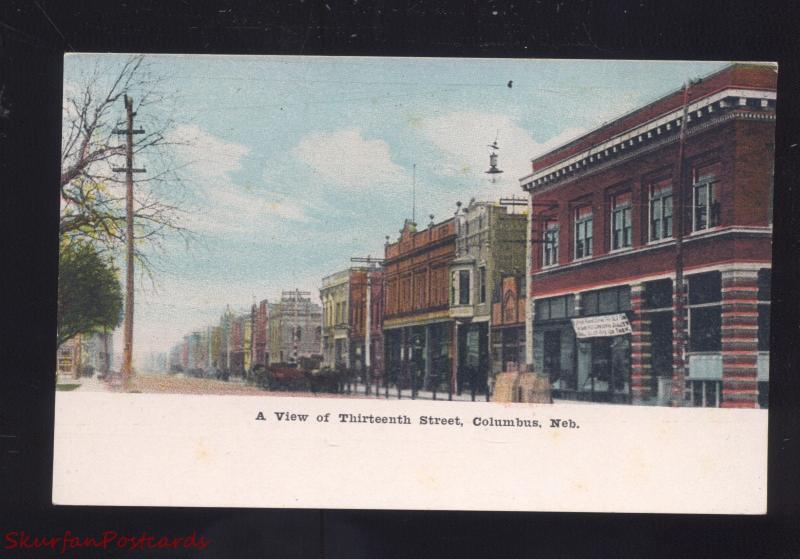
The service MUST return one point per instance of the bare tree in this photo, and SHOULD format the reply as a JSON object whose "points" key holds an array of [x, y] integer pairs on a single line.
{"points": [[92, 194]]}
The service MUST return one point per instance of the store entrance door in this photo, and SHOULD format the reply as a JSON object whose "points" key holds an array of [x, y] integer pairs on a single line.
{"points": [[605, 363]]}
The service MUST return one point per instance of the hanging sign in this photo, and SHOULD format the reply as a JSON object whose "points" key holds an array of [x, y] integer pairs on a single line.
{"points": [[601, 326]]}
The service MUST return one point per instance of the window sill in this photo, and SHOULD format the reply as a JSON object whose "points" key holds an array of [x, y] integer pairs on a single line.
{"points": [[663, 241], [583, 258], [705, 231], [621, 249]]}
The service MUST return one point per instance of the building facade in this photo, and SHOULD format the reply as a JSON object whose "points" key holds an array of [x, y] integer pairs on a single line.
{"points": [[86, 353], [295, 329], [261, 334], [335, 299], [680, 188], [418, 329], [352, 319], [490, 243], [508, 325]]}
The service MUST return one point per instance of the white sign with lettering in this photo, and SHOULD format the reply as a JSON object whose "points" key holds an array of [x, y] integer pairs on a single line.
{"points": [[601, 326]]}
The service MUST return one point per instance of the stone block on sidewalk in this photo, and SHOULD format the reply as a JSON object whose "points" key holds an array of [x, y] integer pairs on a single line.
{"points": [[522, 387]]}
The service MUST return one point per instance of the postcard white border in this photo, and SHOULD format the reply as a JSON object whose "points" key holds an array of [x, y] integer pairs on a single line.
{"points": [[210, 451]]}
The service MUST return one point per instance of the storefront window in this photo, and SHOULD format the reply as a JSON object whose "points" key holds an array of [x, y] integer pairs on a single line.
{"points": [[764, 314], [706, 393], [552, 353], [705, 312], [658, 294], [606, 301], [555, 308]]}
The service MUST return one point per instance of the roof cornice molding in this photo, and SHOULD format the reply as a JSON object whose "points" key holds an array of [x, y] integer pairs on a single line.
{"points": [[652, 132]]}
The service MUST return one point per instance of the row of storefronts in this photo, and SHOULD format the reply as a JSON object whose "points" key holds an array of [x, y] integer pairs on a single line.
{"points": [[269, 333], [432, 298]]}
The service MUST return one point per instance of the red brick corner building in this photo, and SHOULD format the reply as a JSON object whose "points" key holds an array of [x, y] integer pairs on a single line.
{"points": [[607, 320]]}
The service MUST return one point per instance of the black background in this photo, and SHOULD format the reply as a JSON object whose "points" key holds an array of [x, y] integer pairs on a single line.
{"points": [[33, 37]]}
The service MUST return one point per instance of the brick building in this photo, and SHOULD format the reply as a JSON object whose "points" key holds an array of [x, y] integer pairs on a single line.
{"points": [[345, 297], [417, 326], [375, 363], [261, 334], [236, 349], [608, 322]]}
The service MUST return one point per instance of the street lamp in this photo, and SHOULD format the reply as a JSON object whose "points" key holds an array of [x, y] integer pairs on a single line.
{"points": [[493, 169]]}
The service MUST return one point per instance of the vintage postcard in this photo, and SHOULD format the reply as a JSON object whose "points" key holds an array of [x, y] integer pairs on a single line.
{"points": [[415, 283]]}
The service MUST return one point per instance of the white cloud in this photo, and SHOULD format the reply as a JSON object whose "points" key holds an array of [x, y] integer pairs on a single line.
{"points": [[462, 138], [209, 157], [348, 159], [223, 206]]}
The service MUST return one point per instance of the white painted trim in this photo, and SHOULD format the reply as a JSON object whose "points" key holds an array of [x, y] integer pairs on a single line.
{"points": [[749, 266], [643, 129]]}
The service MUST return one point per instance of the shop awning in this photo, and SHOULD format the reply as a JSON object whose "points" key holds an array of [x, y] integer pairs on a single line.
{"points": [[601, 326]]}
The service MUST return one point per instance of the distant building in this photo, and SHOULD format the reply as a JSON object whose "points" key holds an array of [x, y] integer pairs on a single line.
{"points": [[247, 341], [375, 367], [295, 328], [261, 334], [86, 353], [236, 346], [345, 297], [335, 298], [225, 334]]}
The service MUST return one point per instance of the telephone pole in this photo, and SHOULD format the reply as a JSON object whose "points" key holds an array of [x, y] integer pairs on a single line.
{"points": [[368, 319], [679, 378], [128, 170]]}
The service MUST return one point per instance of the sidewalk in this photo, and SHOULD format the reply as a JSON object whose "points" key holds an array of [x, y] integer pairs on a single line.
{"points": [[85, 384], [405, 394]]}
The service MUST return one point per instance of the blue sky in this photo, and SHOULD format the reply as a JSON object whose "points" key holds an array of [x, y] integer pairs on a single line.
{"points": [[295, 164]]}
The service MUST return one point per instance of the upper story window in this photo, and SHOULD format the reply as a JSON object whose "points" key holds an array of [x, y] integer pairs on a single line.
{"points": [[705, 197], [621, 221], [661, 210], [463, 287], [482, 284], [583, 232], [550, 243]]}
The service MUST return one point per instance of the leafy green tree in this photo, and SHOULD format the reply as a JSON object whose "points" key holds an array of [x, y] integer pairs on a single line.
{"points": [[89, 292]]}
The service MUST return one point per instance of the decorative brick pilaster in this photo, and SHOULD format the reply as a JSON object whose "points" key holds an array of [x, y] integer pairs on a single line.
{"points": [[739, 339], [641, 348]]}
